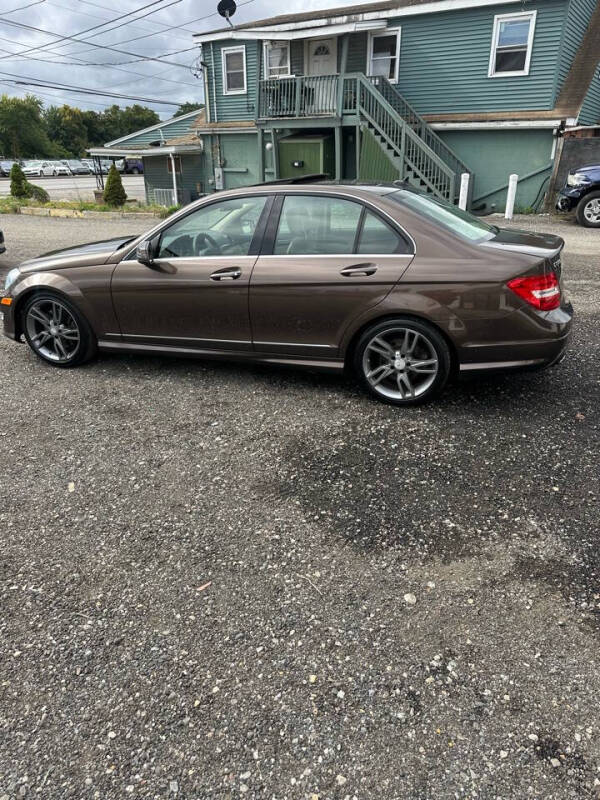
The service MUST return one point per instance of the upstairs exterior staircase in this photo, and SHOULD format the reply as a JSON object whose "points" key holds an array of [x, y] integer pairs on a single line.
{"points": [[417, 153]]}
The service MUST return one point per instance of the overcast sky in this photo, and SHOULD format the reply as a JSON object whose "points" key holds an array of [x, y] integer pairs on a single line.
{"points": [[44, 57]]}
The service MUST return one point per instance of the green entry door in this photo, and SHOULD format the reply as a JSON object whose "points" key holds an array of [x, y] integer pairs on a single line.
{"points": [[306, 155]]}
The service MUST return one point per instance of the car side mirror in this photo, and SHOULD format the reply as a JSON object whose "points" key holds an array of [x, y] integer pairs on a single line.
{"points": [[146, 252]]}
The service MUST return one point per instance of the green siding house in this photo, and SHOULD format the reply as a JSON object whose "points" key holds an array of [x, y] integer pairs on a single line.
{"points": [[419, 90]]}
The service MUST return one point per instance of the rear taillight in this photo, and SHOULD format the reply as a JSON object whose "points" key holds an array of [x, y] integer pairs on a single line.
{"points": [[540, 291]]}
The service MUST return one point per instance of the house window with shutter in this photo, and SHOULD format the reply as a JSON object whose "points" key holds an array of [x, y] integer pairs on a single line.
{"points": [[512, 43], [234, 70]]}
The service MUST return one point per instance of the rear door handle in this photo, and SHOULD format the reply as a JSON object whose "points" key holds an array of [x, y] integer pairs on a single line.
{"points": [[227, 274], [358, 269]]}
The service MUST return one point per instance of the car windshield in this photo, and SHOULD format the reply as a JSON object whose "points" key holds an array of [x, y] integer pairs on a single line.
{"points": [[448, 216]]}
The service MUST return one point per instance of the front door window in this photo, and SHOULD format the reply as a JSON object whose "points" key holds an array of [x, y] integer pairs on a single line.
{"points": [[219, 229]]}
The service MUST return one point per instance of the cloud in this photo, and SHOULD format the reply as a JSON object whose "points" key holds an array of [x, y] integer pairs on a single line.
{"points": [[75, 63]]}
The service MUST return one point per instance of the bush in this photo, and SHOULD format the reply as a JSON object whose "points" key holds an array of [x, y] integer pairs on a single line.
{"points": [[19, 187], [114, 193], [37, 193]]}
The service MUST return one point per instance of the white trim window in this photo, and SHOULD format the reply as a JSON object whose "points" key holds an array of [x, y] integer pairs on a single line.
{"points": [[276, 59], [234, 70], [384, 54], [512, 43]]}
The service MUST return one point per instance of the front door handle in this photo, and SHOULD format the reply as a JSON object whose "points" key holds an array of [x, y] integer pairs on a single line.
{"points": [[227, 274], [358, 269]]}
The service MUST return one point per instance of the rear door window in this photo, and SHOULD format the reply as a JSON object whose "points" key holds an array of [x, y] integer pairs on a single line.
{"points": [[311, 225], [377, 238]]}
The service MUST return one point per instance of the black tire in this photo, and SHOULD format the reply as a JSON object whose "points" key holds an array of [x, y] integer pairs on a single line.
{"points": [[77, 351], [135, 171], [411, 354], [588, 210]]}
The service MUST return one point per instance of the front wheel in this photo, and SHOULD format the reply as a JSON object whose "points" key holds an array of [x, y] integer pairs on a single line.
{"points": [[402, 361], [588, 210], [57, 332]]}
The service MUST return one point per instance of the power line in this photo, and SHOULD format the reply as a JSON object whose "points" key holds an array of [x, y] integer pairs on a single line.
{"points": [[166, 30], [140, 75], [22, 8], [24, 81], [121, 25], [88, 30], [99, 46], [143, 26]]}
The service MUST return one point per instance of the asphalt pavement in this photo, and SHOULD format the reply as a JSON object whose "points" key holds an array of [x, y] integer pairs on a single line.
{"points": [[220, 581]]}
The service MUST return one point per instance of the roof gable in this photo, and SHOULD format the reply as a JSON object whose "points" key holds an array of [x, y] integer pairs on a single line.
{"points": [[162, 131]]}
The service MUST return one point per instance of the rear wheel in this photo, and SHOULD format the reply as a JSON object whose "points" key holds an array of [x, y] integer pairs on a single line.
{"points": [[588, 210], [402, 361], [57, 332]]}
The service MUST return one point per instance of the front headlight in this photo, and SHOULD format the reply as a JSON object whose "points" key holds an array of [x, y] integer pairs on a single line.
{"points": [[576, 179], [11, 278]]}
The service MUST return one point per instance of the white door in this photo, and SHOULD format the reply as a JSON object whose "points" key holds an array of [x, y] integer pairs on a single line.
{"points": [[321, 56], [321, 60]]}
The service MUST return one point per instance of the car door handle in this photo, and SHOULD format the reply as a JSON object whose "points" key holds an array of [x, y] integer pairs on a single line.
{"points": [[358, 269], [227, 274]]}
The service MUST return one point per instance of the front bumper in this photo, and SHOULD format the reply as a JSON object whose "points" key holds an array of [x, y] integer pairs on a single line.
{"points": [[569, 196], [7, 317]]}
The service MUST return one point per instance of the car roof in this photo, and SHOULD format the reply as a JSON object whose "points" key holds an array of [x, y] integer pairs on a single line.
{"points": [[322, 187]]}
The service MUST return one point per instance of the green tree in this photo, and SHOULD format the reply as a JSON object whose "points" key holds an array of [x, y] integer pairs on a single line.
{"points": [[185, 108], [22, 129], [67, 130], [21, 188], [114, 193], [18, 182]]}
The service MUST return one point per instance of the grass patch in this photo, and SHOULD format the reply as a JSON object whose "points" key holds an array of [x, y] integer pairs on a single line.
{"points": [[13, 205]]}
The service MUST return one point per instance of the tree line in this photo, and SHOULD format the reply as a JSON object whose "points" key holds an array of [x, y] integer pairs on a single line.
{"points": [[28, 129]]}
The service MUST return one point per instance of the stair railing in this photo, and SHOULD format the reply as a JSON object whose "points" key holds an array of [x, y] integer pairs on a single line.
{"points": [[419, 125], [360, 97]]}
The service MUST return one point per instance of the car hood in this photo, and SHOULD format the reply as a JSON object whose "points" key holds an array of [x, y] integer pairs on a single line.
{"points": [[544, 245], [99, 251]]}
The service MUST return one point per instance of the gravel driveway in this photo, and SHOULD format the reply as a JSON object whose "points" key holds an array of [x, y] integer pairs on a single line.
{"points": [[219, 581]]}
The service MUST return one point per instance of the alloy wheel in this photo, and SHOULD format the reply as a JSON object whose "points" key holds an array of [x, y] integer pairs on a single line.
{"points": [[591, 211], [53, 331], [400, 363]]}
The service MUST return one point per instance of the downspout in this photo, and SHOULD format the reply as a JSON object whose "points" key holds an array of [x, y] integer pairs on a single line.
{"points": [[204, 66], [214, 89], [172, 157]]}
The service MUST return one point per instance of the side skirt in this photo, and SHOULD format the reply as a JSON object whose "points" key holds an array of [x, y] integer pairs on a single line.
{"points": [[328, 365]]}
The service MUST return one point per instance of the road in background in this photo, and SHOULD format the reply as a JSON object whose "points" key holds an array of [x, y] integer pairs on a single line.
{"points": [[79, 187]]}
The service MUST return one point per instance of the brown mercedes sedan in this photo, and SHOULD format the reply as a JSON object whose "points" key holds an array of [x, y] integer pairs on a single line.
{"points": [[382, 280]]}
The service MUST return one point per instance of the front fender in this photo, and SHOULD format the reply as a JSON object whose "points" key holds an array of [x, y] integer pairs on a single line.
{"points": [[54, 282]]}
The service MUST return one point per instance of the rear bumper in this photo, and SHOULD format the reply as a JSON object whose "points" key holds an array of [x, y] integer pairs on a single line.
{"points": [[543, 342]]}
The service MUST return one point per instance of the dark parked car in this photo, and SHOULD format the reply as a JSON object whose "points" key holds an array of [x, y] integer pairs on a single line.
{"points": [[2, 245], [382, 280], [582, 191], [5, 168], [131, 166]]}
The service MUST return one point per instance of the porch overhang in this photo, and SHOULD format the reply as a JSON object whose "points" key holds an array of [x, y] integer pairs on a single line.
{"points": [[273, 34], [145, 152]]}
